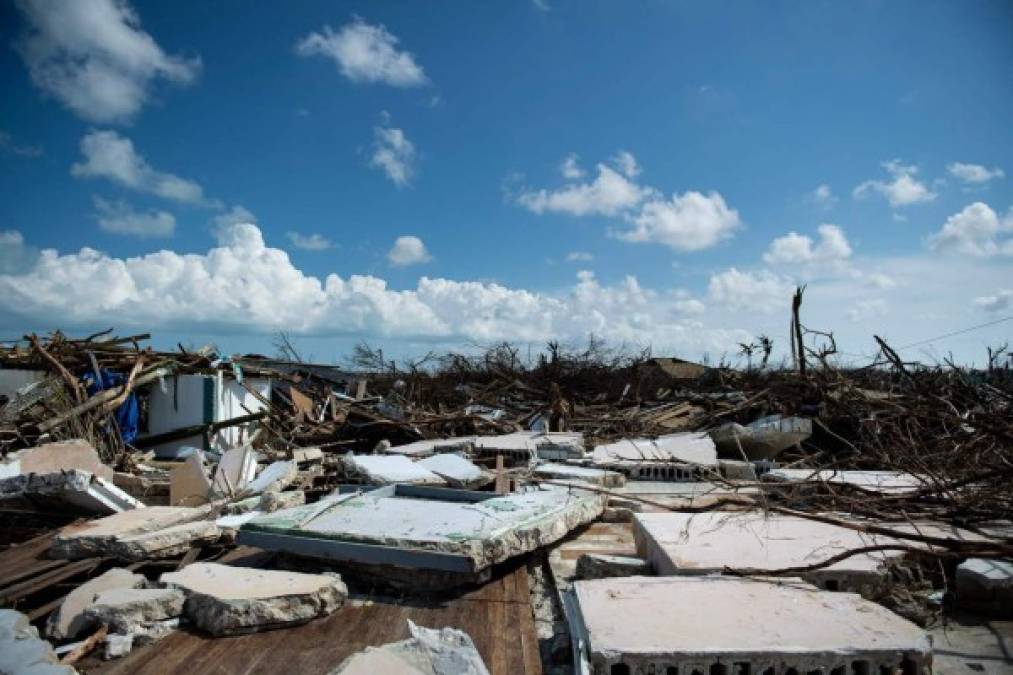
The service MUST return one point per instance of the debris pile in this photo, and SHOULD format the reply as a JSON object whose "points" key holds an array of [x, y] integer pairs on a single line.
{"points": [[554, 515]]}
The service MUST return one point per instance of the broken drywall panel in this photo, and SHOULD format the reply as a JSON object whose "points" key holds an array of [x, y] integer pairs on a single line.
{"points": [[22, 652], [275, 477], [73, 489], [681, 456], [730, 625], [386, 469], [426, 528], [96, 537], [54, 458], [431, 447], [127, 610], [428, 651], [225, 600], [602, 477], [764, 438], [986, 586], [69, 621], [236, 469], [455, 470], [189, 484], [873, 481], [709, 543]]}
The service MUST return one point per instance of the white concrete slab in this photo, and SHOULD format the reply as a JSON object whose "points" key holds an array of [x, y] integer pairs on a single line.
{"points": [[728, 625], [74, 489], [591, 475], [876, 481], [275, 477], [431, 447], [687, 448], [447, 651], [455, 470], [386, 469], [97, 537], [54, 458]]}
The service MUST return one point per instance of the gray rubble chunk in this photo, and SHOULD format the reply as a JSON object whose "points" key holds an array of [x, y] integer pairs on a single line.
{"points": [[222, 599], [428, 651], [21, 650], [129, 610], [275, 501], [599, 566], [69, 620]]}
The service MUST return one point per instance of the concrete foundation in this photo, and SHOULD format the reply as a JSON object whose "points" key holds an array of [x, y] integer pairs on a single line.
{"points": [[225, 600], [427, 652], [69, 620], [721, 625]]}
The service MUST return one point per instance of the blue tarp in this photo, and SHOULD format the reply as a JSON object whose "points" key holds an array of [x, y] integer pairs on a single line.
{"points": [[128, 415]]}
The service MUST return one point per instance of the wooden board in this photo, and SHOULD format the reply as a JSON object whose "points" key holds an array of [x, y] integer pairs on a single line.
{"points": [[496, 615]]}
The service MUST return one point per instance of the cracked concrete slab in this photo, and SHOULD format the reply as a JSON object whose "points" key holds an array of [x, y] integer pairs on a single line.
{"points": [[73, 489], [456, 470], [224, 600], [386, 469], [129, 610], [69, 620], [166, 542], [98, 536], [724, 624], [586, 474]]}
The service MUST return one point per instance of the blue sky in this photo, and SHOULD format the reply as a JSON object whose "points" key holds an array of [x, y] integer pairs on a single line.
{"points": [[658, 173]]}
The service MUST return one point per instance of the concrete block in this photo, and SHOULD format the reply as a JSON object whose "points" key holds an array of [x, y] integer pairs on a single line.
{"points": [[594, 476], [986, 586], [69, 620], [600, 566], [128, 610], [712, 625], [737, 469], [98, 536], [428, 651], [455, 470], [386, 469], [223, 600]]}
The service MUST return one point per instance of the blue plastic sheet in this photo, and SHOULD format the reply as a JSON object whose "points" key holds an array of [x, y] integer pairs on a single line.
{"points": [[128, 415]]}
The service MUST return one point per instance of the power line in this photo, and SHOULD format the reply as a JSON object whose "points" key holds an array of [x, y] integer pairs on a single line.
{"points": [[956, 332]]}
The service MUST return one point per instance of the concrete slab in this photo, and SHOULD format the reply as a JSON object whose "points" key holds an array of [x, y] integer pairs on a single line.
{"points": [[73, 489], [455, 470], [965, 644], [166, 542], [707, 543], [126, 610], [764, 438], [682, 456], [447, 651], [591, 475], [600, 566], [386, 469], [523, 445], [432, 447], [875, 481], [97, 536], [986, 586], [457, 536], [54, 458], [728, 625], [69, 620], [224, 600]]}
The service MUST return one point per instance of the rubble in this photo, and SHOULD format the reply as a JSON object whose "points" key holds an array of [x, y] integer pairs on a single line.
{"points": [[427, 652], [102, 536], [380, 470], [717, 624], [22, 652], [70, 619], [986, 586], [127, 610], [73, 489], [764, 438], [455, 470], [600, 566], [580, 473]]}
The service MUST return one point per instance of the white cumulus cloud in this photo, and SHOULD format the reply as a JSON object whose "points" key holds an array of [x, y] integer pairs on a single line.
{"points": [[903, 188], [627, 163], [996, 303], [760, 291], [111, 156], [579, 256], [974, 173], [608, 194], [976, 231], [408, 250], [570, 167], [798, 249], [688, 222], [119, 217], [393, 153], [823, 196], [94, 57], [364, 53]]}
